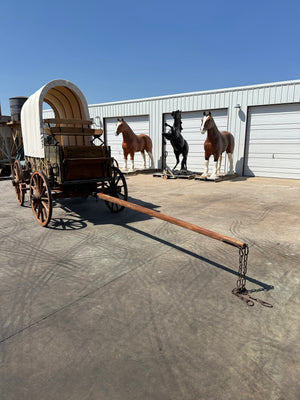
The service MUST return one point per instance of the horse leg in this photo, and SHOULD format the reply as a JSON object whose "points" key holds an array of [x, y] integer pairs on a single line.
{"points": [[214, 174], [219, 165], [132, 161], [177, 159], [151, 158], [183, 162], [144, 158], [125, 161], [205, 172], [230, 158]]}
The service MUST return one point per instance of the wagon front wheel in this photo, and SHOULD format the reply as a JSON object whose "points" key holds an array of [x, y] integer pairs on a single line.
{"points": [[40, 198], [17, 182], [117, 187]]}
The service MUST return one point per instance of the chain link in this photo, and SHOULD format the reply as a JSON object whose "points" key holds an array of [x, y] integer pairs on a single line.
{"points": [[243, 262], [240, 289]]}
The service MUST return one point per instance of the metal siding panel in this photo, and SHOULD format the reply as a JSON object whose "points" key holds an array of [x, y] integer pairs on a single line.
{"points": [[284, 94], [48, 114], [255, 97], [290, 94], [261, 96], [272, 98], [296, 96], [266, 96], [156, 123]]}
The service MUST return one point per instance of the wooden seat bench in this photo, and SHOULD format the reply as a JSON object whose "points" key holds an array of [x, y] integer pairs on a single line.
{"points": [[75, 130]]}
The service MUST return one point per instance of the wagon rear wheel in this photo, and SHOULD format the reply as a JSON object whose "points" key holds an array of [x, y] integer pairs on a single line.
{"points": [[117, 187], [40, 198], [17, 182]]}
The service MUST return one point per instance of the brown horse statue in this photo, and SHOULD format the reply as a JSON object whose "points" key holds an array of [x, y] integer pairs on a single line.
{"points": [[215, 144], [133, 143]]}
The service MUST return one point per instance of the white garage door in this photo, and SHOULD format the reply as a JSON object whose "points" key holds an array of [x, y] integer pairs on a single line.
{"points": [[139, 124], [191, 122], [273, 141]]}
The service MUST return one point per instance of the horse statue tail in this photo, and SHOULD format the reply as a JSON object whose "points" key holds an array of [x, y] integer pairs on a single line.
{"points": [[149, 145]]}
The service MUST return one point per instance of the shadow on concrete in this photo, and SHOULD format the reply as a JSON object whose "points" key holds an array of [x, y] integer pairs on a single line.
{"points": [[264, 286], [80, 212]]}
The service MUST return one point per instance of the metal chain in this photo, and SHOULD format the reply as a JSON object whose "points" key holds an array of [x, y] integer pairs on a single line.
{"points": [[240, 289], [243, 261]]}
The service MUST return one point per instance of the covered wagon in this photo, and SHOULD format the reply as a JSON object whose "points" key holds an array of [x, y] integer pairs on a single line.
{"points": [[61, 157]]}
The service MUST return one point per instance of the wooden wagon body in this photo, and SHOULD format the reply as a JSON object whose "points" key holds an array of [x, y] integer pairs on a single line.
{"points": [[60, 156]]}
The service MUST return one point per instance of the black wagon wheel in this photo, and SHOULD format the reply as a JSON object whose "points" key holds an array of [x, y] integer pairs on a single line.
{"points": [[40, 198], [17, 181], [116, 187]]}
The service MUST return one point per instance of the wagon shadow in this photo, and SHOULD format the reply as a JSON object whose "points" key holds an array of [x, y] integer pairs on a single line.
{"points": [[80, 212]]}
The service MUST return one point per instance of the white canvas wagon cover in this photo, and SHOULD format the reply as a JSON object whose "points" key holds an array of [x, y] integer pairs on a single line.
{"points": [[66, 100]]}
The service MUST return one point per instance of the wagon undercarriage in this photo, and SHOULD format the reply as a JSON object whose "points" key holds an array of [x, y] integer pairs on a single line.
{"points": [[42, 193]]}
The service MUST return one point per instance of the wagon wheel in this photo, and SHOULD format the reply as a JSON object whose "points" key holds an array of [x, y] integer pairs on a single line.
{"points": [[17, 182], [40, 198], [115, 163], [117, 187]]}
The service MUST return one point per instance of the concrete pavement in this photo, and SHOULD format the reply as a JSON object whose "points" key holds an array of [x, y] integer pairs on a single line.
{"points": [[123, 306]]}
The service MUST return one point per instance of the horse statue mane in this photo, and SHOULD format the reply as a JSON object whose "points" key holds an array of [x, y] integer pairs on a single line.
{"points": [[215, 144], [133, 143], [179, 144]]}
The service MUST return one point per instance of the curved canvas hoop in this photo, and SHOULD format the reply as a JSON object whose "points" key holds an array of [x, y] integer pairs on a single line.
{"points": [[66, 100]]}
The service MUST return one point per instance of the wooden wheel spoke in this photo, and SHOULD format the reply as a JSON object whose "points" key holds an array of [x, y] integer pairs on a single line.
{"points": [[41, 199], [41, 187], [120, 189], [39, 212], [35, 183], [118, 180], [43, 191], [45, 206], [44, 213]]}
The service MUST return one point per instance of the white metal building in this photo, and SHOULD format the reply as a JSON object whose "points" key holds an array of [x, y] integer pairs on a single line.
{"points": [[264, 119]]}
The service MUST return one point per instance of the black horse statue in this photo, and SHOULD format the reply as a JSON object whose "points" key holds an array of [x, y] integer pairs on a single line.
{"points": [[179, 144]]}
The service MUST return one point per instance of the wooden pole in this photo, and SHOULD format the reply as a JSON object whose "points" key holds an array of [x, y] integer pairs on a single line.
{"points": [[172, 220]]}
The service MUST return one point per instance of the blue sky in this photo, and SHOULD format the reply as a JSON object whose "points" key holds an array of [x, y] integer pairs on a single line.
{"points": [[118, 50]]}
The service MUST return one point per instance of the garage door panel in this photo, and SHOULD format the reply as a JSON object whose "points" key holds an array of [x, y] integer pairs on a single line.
{"points": [[191, 122], [273, 141], [281, 156], [279, 163], [275, 134], [290, 172], [282, 148]]}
